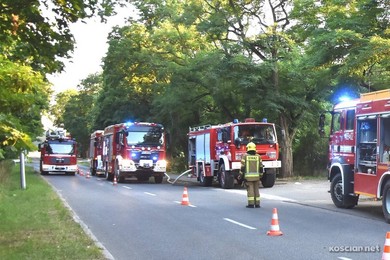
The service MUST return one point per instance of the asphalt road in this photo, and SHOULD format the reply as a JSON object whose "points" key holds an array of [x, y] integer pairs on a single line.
{"points": [[146, 220]]}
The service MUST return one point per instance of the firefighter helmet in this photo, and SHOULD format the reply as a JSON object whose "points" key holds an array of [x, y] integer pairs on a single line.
{"points": [[251, 147]]}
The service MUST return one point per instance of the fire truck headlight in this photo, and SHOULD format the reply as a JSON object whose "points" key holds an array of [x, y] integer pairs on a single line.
{"points": [[271, 155], [127, 163], [161, 163]]}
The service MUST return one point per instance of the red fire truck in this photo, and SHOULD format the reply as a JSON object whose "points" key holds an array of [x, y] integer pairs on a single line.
{"points": [[215, 151], [58, 153], [359, 150], [135, 150], [96, 153]]}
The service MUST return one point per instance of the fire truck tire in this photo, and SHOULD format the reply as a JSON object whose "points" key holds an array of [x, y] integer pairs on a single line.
{"points": [[44, 173], [108, 175], [117, 173], [336, 192], [386, 201], [205, 181], [268, 179], [158, 179], [226, 180]]}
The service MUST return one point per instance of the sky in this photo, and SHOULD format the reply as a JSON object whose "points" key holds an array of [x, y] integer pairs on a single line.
{"points": [[91, 46]]}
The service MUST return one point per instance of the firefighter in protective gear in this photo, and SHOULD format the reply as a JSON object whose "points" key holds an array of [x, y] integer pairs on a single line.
{"points": [[251, 171]]}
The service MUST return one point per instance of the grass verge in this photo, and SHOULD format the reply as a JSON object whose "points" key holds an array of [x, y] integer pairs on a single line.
{"points": [[34, 223]]}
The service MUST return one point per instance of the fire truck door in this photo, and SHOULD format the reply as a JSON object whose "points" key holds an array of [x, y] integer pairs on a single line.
{"points": [[203, 147]]}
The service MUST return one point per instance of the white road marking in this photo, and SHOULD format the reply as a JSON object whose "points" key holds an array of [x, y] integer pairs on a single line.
{"points": [[274, 197], [151, 194], [262, 195], [126, 187], [179, 202], [238, 223], [344, 258]]}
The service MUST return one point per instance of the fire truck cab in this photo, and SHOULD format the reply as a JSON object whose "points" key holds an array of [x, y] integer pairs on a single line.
{"points": [[135, 150], [215, 151], [96, 153], [359, 151], [58, 153]]}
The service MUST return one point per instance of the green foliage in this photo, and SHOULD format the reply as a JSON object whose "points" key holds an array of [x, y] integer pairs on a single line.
{"points": [[57, 110], [34, 40], [351, 40], [77, 111], [187, 63], [23, 95], [37, 32]]}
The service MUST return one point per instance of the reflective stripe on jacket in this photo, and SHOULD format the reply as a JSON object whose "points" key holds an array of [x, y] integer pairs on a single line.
{"points": [[251, 167]]}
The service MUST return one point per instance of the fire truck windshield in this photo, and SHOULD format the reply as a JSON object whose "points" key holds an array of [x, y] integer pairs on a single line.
{"points": [[151, 136], [259, 134], [60, 148]]}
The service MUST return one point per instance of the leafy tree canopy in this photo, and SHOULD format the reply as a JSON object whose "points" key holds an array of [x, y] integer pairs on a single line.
{"points": [[37, 32]]}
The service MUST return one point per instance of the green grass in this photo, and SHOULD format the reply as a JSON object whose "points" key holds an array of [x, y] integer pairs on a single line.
{"points": [[34, 223]]}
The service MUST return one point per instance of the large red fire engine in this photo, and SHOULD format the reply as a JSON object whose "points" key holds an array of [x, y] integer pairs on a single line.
{"points": [[359, 150], [215, 151], [135, 150], [58, 153], [96, 153]]}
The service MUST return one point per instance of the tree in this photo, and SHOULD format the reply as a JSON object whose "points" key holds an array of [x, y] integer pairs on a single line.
{"points": [[78, 111], [23, 95], [37, 31], [349, 39], [57, 110], [34, 39]]}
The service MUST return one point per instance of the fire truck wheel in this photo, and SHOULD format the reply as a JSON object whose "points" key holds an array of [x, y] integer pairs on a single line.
{"points": [[117, 173], [336, 192], [226, 180], [43, 173], [268, 179], [205, 181], [108, 175], [158, 179], [386, 201]]}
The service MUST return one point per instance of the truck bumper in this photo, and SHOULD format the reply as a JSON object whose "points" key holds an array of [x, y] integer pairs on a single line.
{"points": [[59, 168], [272, 164]]}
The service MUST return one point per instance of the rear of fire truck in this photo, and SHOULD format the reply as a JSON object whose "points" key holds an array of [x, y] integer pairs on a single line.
{"points": [[96, 153], [58, 153]]}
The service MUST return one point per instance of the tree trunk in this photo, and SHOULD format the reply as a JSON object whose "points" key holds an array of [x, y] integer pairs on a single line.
{"points": [[286, 149]]}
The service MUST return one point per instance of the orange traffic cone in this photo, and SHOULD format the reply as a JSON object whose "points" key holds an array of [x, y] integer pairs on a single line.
{"points": [[274, 231], [185, 201], [87, 175], [114, 182], [386, 248]]}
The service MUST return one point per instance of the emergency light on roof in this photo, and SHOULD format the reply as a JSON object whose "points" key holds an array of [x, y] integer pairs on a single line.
{"points": [[265, 120], [235, 121], [247, 120]]}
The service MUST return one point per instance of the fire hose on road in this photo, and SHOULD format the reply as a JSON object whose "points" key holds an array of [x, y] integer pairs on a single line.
{"points": [[178, 177]]}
